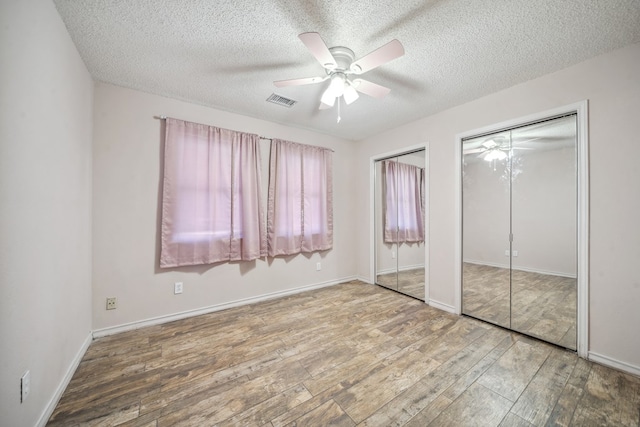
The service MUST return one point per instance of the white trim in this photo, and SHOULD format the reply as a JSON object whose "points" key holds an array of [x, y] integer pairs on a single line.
{"points": [[523, 121], [442, 306], [53, 402], [372, 220], [527, 269], [365, 280], [372, 226], [613, 363], [411, 267], [98, 333], [582, 137], [405, 268], [457, 235], [386, 271], [582, 109], [427, 230]]}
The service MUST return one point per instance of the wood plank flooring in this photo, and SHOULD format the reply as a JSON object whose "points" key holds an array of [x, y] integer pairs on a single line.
{"points": [[408, 282], [351, 354], [540, 305]]}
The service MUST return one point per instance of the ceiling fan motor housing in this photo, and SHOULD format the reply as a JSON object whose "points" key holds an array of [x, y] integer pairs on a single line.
{"points": [[343, 57]]}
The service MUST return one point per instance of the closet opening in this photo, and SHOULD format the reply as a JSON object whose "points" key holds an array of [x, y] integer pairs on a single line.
{"points": [[522, 238], [400, 231]]}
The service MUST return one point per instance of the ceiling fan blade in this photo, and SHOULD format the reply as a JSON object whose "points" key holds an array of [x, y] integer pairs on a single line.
{"points": [[298, 82], [319, 49], [473, 151], [371, 89], [490, 144], [381, 55]]}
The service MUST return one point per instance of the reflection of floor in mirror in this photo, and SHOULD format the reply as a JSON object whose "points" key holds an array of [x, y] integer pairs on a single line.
{"points": [[409, 282], [542, 305]]}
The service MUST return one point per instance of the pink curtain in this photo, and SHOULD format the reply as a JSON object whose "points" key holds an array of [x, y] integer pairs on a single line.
{"points": [[404, 203], [300, 205], [211, 205]]}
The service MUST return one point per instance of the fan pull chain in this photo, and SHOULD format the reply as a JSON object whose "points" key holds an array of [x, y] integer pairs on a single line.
{"points": [[339, 118]]}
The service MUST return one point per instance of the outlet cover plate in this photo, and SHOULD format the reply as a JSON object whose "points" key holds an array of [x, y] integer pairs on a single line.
{"points": [[177, 288], [25, 386], [111, 303]]}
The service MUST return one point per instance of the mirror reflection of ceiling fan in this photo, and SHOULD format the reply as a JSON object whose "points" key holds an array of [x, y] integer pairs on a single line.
{"points": [[494, 148], [340, 68]]}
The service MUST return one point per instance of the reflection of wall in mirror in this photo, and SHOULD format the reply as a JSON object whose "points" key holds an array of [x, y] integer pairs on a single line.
{"points": [[408, 255], [544, 212]]}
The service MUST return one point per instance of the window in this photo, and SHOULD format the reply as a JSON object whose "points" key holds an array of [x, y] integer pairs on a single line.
{"points": [[211, 205], [404, 203], [300, 209]]}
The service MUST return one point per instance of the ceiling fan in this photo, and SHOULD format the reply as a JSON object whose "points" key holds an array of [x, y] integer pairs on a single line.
{"points": [[494, 148], [340, 69]]}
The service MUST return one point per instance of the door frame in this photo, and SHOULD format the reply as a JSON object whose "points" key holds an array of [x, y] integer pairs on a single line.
{"points": [[582, 110], [372, 225]]}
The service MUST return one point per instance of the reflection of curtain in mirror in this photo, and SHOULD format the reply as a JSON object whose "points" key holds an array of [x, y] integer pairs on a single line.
{"points": [[404, 221]]}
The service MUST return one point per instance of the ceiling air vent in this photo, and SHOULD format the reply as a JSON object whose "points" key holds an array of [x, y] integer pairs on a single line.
{"points": [[281, 100]]}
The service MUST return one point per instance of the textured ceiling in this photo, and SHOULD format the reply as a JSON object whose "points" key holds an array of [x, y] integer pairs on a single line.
{"points": [[226, 54]]}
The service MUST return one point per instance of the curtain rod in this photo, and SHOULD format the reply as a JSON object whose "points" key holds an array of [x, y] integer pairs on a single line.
{"points": [[259, 136]]}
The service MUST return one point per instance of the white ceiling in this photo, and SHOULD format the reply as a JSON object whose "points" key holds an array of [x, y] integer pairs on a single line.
{"points": [[226, 54]]}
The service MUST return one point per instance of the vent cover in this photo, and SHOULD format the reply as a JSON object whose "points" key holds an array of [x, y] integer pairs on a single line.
{"points": [[281, 100]]}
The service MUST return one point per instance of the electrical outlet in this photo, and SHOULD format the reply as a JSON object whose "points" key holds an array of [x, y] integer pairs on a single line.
{"points": [[25, 386], [318, 266], [515, 253], [177, 288], [111, 303], [506, 253]]}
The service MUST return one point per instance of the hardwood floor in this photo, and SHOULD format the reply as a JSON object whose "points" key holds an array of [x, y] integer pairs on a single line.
{"points": [[351, 354], [540, 305], [408, 282]]}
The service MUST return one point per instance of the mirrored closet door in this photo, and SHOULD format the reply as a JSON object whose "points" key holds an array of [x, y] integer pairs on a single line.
{"points": [[400, 223], [519, 229]]}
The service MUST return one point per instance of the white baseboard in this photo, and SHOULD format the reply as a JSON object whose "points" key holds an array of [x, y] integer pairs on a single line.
{"points": [[53, 402], [386, 271], [613, 363], [403, 268], [411, 267], [442, 306], [98, 333], [365, 280], [527, 269]]}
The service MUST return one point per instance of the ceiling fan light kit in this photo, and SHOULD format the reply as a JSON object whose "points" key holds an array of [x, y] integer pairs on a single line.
{"points": [[339, 64], [495, 154], [350, 94]]}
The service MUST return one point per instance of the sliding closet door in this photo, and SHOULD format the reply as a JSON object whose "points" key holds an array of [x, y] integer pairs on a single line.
{"points": [[519, 229], [385, 233], [411, 224], [400, 223], [544, 226], [486, 188]]}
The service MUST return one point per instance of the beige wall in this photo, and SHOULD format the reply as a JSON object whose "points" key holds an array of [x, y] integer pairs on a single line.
{"points": [[45, 206], [126, 164], [612, 86]]}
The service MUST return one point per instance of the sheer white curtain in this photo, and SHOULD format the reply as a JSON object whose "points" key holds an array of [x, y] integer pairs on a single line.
{"points": [[404, 203], [211, 204], [300, 205]]}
